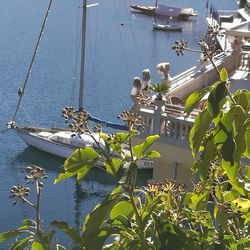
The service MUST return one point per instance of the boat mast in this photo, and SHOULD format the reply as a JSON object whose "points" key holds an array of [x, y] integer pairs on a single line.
{"points": [[84, 19], [156, 3]]}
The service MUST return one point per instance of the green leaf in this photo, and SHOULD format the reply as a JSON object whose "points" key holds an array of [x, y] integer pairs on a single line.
{"points": [[241, 140], [28, 222], [63, 176], [140, 149], [230, 169], [216, 99], [153, 154], [199, 130], [121, 222], [71, 232], [248, 172], [120, 139], [223, 75], [198, 201], [21, 244], [96, 219], [194, 99], [206, 157], [149, 208], [80, 158], [10, 234], [36, 245], [123, 208], [83, 172], [196, 166], [242, 98], [228, 148], [129, 170], [45, 240], [225, 126], [159, 87], [116, 163], [247, 140], [231, 195], [79, 163], [242, 204], [204, 217], [221, 217], [172, 237]]}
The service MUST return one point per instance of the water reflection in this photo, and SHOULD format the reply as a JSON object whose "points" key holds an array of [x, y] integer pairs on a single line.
{"points": [[47, 161], [79, 196]]}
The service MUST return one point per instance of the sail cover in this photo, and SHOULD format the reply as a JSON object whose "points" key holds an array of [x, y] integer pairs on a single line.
{"points": [[164, 10]]}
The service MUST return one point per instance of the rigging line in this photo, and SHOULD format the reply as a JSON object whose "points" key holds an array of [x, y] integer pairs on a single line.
{"points": [[77, 48], [133, 34], [21, 91], [33, 123]]}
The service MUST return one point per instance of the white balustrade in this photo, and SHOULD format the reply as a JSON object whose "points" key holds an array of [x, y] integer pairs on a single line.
{"points": [[167, 120]]}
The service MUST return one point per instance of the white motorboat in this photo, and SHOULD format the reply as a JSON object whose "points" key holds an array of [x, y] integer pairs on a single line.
{"points": [[167, 27]]}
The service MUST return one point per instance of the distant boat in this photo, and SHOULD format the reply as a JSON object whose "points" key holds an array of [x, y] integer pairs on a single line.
{"points": [[164, 10], [167, 27]]}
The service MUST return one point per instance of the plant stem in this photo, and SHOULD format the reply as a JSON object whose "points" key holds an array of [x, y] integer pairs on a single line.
{"points": [[103, 151], [218, 72], [28, 202], [133, 179], [192, 50], [137, 215], [38, 219]]}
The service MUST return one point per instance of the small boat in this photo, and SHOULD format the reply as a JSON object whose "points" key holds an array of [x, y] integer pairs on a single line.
{"points": [[167, 27], [63, 142], [164, 10]]}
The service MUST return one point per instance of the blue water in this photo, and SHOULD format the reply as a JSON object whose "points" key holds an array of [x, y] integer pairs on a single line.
{"points": [[115, 55]]}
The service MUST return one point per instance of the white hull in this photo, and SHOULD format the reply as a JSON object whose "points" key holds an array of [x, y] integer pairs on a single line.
{"points": [[166, 27], [59, 149], [48, 146]]}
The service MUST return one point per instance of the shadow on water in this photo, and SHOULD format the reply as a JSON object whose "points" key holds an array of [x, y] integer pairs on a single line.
{"points": [[34, 156]]}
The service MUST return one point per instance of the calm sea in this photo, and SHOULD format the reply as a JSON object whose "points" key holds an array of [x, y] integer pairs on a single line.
{"points": [[120, 45]]}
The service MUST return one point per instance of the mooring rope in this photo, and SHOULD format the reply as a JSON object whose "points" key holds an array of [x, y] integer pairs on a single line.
{"points": [[21, 90]]}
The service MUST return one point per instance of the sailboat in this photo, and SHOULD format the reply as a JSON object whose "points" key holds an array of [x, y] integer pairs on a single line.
{"points": [[166, 27], [62, 142], [164, 10]]}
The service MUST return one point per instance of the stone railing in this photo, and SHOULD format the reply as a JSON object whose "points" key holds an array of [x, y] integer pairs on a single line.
{"points": [[201, 76], [245, 60], [167, 120]]}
